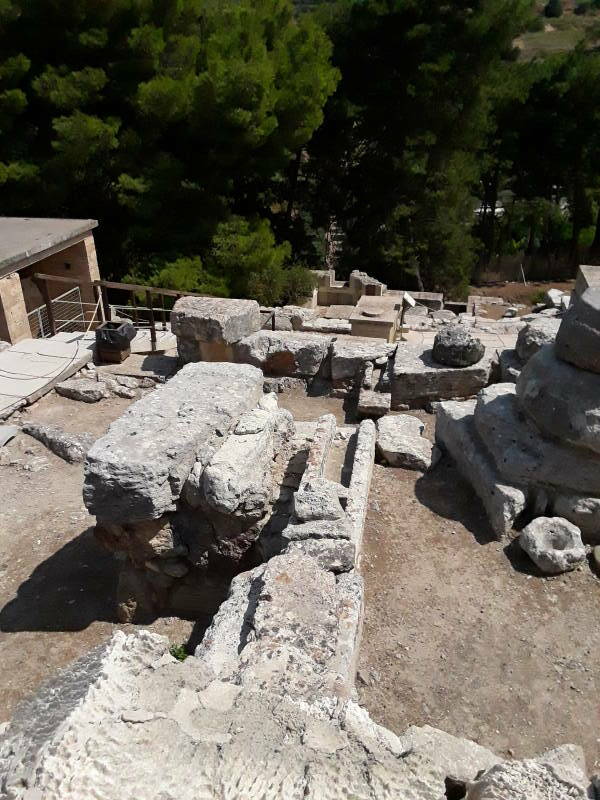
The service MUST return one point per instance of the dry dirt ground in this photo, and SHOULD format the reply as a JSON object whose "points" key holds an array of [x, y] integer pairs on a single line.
{"points": [[460, 632]]}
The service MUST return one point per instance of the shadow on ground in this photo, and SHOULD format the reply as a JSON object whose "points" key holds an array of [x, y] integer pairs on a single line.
{"points": [[67, 592], [447, 494]]}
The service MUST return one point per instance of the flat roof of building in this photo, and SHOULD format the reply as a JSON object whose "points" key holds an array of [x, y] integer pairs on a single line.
{"points": [[25, 240]]}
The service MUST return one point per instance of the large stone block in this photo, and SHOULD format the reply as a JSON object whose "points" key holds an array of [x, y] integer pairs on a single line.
{"points": [[418, 378], [349, 354], [578, 339], [137, 470], [400, 443], [525, 457], [562, 400], [215, 319], [277, 353], [455, 432]]}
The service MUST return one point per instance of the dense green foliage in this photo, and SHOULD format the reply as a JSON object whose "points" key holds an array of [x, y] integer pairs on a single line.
{"points": [[216, 140]]}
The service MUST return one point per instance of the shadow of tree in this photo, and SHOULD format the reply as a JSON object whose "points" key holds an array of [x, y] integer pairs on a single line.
{"points": [[448, 495], [67, 592]]}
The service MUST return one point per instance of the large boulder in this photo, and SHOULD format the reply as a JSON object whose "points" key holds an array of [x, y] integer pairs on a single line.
{"points": [[455, 346], [136, 471], [578, 339], [562, 400], [400, 443], [535, 335], [553, 544], [278, 353], [522, 455]]}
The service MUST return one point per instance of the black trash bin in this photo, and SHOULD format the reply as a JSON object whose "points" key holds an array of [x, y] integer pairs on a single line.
{"points": [[113, 340]]}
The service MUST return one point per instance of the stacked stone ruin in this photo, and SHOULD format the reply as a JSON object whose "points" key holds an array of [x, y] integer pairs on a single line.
{"points": [[532, 448]]}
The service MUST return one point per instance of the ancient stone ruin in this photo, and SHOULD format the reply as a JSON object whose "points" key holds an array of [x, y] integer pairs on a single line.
{"points": [[533, 449]]}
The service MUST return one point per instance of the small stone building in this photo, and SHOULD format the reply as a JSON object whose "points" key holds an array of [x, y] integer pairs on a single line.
{"points": [[59, 247]]}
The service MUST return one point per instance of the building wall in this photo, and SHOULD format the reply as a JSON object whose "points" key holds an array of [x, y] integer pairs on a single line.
{"points": [[78, 261], [14, 325]]}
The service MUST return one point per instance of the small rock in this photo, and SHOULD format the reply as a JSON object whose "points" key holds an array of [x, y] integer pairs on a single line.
{"points": [[85, 390], [554, 544]]}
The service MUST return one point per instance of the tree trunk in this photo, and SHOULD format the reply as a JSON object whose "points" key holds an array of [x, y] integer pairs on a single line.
{"points": [[594, 253], [295, 173]]}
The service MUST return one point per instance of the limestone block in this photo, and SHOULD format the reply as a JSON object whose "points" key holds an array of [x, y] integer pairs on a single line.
{"points": [[578, 339], [522, 455], [562, 400], [71, 447], [417, 378], [349, 354], [373, 404], [510, 366], [553, 297], [136, 471], [456, 433], [284, 354], [336, 555], [553, 544], [326, 325], [400, 443], [214, 319], [317, 499], [535, 335]]}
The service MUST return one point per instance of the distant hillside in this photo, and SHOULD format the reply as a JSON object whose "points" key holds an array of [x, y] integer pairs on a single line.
{"points": [[580, 20]]}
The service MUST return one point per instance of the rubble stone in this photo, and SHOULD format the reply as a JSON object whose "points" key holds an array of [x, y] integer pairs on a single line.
{"points": [[317, 499], [137, 470], [578, 339], [71, 447], [455, 346], [562, 400], [400, 443], [553, 297], [584, 512], [510, 366], [86, 390], [553, 543], [284, 354], [349, 354], [535, 335]]}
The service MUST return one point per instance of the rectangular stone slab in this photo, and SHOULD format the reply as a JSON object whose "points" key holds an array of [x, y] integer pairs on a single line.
{"points": [[214, 319], [136, 471], [417, 378]]}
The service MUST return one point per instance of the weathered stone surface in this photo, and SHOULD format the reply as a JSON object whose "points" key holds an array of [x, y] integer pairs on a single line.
{"points": [[510, 366], [400, 443], [553, 543], [363, 444], [535, 335], [291, 354], [214, 319], [4, 346], [137, 470], [418, 378], [456, 433], [556, 775], [317, 499], [455, 346], [130, 721], [119, 390], [87, 390], [335, 555], [525, 457], [584, 512], [373, 404], [349, 354], [553, 297], [578, 339], [237, 482], [326, 325], [562, 400], [71, 447]]}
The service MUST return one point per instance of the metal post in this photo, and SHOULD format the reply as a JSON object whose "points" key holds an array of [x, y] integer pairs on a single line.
{"points": [[43, 287], [106, 304], [152, 326]]}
